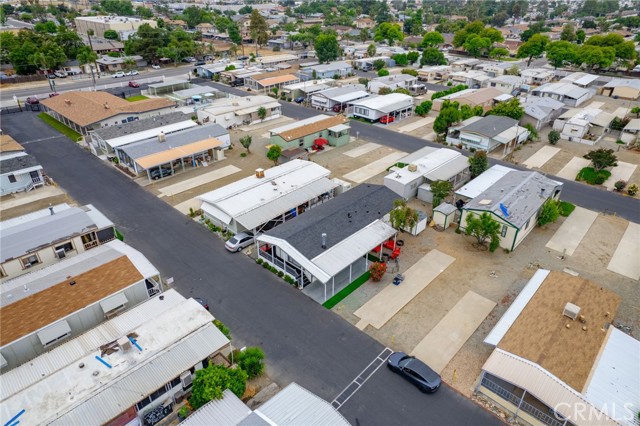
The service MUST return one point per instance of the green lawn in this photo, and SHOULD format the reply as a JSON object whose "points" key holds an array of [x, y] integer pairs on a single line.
{"points": [[566, 208], [589, 175], [62, 128], [136, 98], [342, 294]]}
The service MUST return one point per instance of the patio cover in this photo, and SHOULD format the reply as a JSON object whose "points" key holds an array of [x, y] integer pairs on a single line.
{"points": [[172, 154], [255, 108]]}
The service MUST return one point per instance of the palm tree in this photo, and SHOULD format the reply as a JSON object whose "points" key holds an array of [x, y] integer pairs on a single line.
{"points": [[90, 32], [234, 49]]}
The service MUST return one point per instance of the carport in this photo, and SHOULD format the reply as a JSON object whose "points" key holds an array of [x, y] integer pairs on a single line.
{"points": [[168, 86]]}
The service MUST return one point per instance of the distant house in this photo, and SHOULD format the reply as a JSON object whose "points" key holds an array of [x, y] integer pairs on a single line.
{"points": [[366, 64], [631, 132], [567, 93], [586, 126], [267, 84], [580, 79], [333, 130], [506, 83], [586, 373], [330, 70], [391, 82], [541, 111], [326, 248], [375, 107], [484, 97], [19, 171], [87, 111], [624, 88], [488, 133], [514, 201], [233, 112], [111, 64], [495, 69], [210, 70], [326, 100], [306, 88], [537, 76], [365, 23], [474, 79], [463, 64], [434, 73]]}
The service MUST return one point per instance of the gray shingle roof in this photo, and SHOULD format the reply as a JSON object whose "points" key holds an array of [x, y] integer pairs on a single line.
{"points": [[339, 218], [490, 126], [15, 164], [137, 126]]}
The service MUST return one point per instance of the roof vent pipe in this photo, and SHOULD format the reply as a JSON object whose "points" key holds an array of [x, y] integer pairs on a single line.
{"points": [[51, 210], [324, 240]]}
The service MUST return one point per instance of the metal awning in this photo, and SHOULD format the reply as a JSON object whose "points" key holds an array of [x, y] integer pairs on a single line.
{"points": [[54, 332], [253, 109], [216, 212], [172, 154], [113, 302]]}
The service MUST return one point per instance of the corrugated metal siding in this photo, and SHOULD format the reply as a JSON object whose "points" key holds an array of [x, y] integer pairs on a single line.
{"points": [[350, 249], [20, 378], [228, 411], [615, 381], [544, 386], [509, 317], [119, 395], [294, 406]]}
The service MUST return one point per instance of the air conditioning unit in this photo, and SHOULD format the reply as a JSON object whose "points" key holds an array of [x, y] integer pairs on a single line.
{"points": [[124, 343], [186, 379], [570, 310], [61, 254]]}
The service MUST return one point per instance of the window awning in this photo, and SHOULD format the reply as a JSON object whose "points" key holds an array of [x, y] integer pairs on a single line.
{"points": [[172, 154], [54, 332], [113, 302]]}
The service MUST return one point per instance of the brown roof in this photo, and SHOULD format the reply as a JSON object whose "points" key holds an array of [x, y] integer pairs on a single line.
{"points": [[85, 108], [302, 131], [8, 144], [539, 334], [45, 307], [277, 80]]}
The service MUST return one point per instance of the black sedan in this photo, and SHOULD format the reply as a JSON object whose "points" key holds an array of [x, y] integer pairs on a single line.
{"points": [[415, 371]]}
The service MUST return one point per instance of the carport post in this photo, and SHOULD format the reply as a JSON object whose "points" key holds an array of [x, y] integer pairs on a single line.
{"points": [[325, 291], [524, 392], [350, 273], [380, 258], [333, 287]]}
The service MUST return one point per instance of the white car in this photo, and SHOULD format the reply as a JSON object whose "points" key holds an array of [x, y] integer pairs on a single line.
{"points": [[132, 72], [61, 74], [155, 66], [119, 74]]}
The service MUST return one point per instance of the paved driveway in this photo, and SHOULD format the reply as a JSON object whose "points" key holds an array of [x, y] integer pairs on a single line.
{"points": [[303, 341]]}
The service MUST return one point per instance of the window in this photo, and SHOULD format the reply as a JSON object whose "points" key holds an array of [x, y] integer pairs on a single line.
{"points": [[140, 405], [29, 261], [301, 143], [503, 233], [12, 179], [67, 247]]}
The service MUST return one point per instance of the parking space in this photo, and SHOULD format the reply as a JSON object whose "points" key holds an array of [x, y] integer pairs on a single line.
{"points": [[572, 231], [374, 168], [623, 171], [537, 160], [570, 171], [625, 259]]}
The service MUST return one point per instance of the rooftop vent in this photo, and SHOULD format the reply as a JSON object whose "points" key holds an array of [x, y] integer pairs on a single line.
{"points": [[260, 173], [412, 168], [67, 101], [162, 137], [570, 310], [106, 105], [124, 344]]}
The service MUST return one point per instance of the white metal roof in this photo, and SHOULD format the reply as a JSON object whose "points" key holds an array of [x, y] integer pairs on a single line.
{"points": [[146, 134], [347, 251], [480, 184], [546, 387], [8, 223], [308, 84], [385, 103], [580, 78], [633, 125], [347, 97], [298, 123], [614, 384], [233, 105], [508, 318], [434, 159], [293, 253], [17, 379], [228, 411], [294, 406], [171, 344]]}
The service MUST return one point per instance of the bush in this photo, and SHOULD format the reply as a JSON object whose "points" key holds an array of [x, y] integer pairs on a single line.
{"points": [[565, 208], [377, 270], [243, 154], [223, 328], [409, 71], [210, 382], [620, 185], [554, 137], [423, 108], [632, 190], [265, 265], [589, 175], [449, 91], [276, 48], [549, 213], [251, 361], [259, 261], [383, 73], [280, 274]]}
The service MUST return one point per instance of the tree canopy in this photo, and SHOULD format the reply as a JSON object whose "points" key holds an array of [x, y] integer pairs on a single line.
{"points": [[326, 47], [510, 108]]}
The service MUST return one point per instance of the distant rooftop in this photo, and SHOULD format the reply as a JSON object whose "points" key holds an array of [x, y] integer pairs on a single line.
{"points": [[490, 126], [137, 126], [18, 163]]}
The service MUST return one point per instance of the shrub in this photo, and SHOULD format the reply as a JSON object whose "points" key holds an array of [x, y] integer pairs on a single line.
{"points": [[449, 83], [265, 265], [589, 175], [410, 71], [549, 213], [276, 48], [223, 328], [565, 208], [259, 261], [377, 270], [423, 108], [620, 185], [280, 274], [210, 382], [251, 361], [243, 154], [554, 137], [632, 190], [383, 73], [119, 235]]}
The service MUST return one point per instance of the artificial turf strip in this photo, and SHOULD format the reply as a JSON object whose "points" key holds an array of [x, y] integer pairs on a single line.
{"points": [[342, 294]]}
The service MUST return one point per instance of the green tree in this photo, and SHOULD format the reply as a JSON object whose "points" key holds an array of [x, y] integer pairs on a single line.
{"points": [[568, 33], [636, 110], [413, 56], [49, 57], [147, 42], [209, 384], [549, 212], [483, 228], [478, 164], [364, 35], [512, 70], [327, 48], [251, 361], [389, 32], [235, 36], [477, 45], [498, 52], [602, 158], [262, 113], [492, 34], [118, 7], [383, 73], [510, 108], [371, 50], [561, 52], [423, 108], [402, 216], [554, 137], [432, 39], [20, 56], [69, 41], [440, 189], [223, 328], [245, 10], [533, 48], [580, 36], [400, 59], [409, 71], [378, 64], [384, 91], [258, 29], [111, 35], [144, 12], [274, 154], [432, 56]]}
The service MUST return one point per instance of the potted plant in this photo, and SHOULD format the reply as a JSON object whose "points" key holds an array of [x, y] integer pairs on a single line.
{"points": [[377, 270], [184, 412]]}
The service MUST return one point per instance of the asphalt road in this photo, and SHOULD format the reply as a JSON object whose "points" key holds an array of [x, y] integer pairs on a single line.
{"points": [[580, 194], [303, 341]]}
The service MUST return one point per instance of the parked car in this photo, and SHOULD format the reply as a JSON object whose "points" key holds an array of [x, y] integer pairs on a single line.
{"points": [[119, 74], [32, 100], [415, 371], [243, 58], [299, 99], [201, 63], [132, 72], [338, 107], [237, 82], [134, 84], [387, 119], [189, 59], [155, 66], [51, 76], [160, 172], [202, 302], [239, 241], [60, 74]]}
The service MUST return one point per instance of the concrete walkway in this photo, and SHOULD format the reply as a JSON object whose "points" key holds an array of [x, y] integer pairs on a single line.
{"points": [[37, 194], [361, 150], [539, 159], [194, 182], [375, 168], [570, 171], [445, 339], [572, 231], [416, 125], [622, 171], [388, 302], [625, 259], [193, 203]]}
